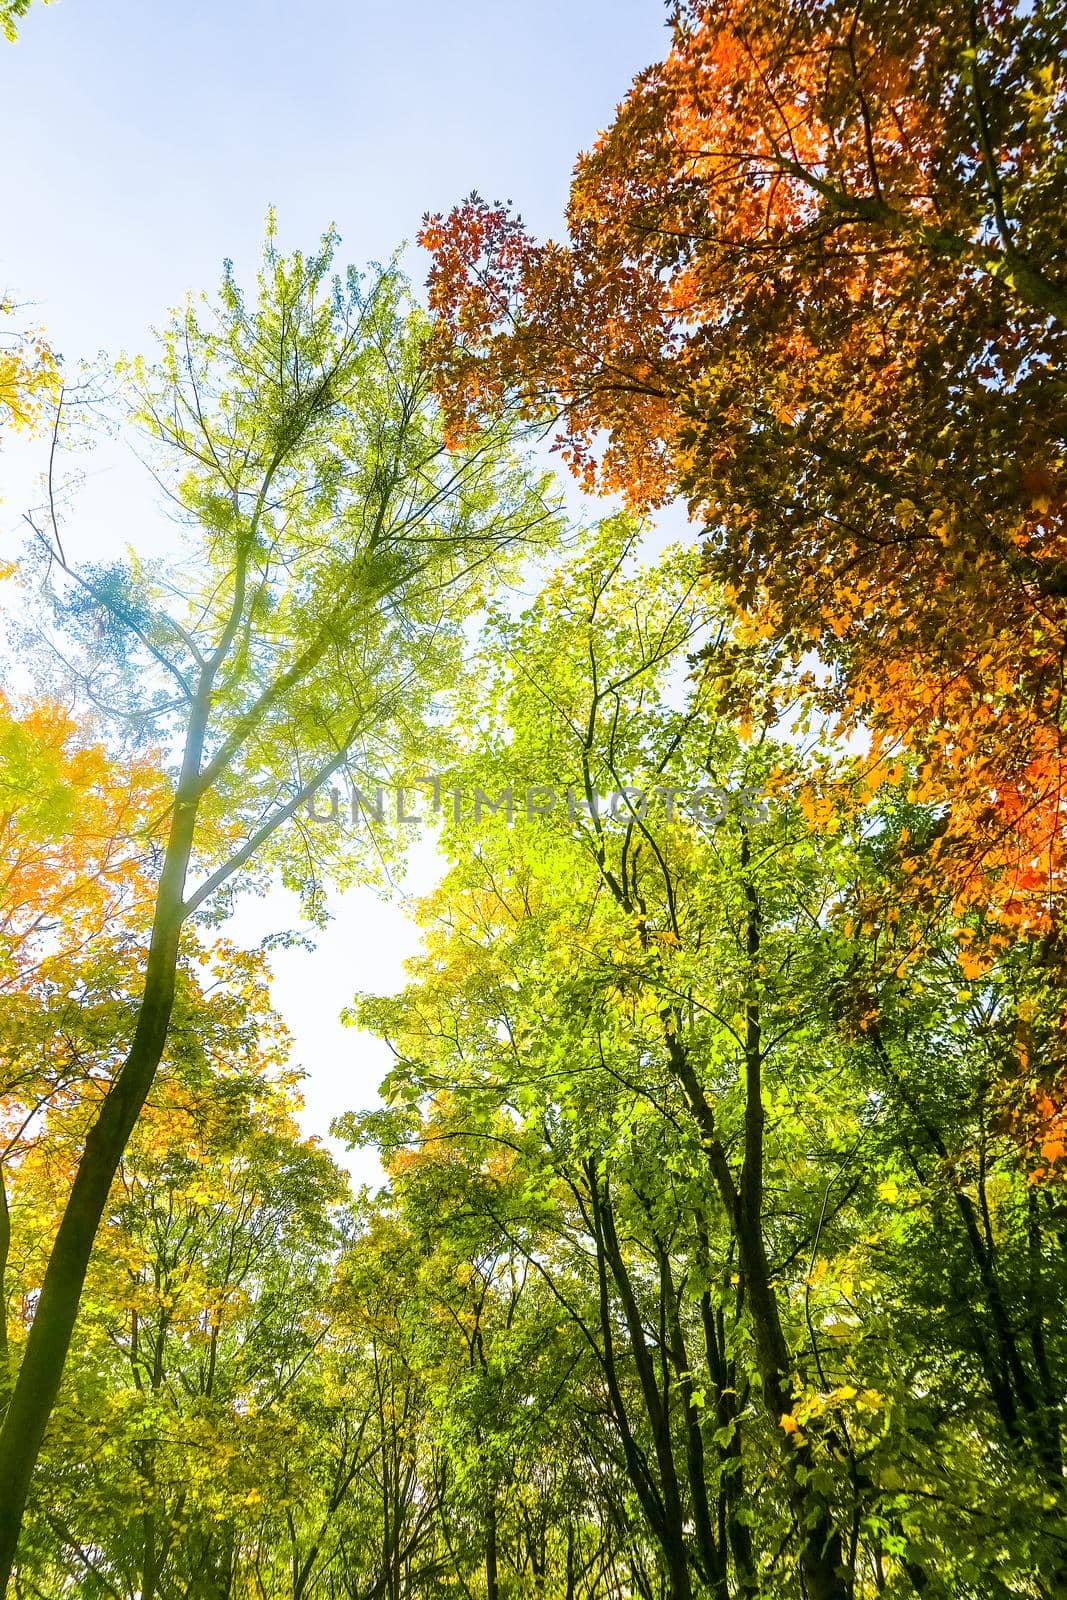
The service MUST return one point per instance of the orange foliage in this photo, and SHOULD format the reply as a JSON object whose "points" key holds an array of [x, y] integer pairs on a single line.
{"points": [[76, 829], [814, 282], [76, 832]]}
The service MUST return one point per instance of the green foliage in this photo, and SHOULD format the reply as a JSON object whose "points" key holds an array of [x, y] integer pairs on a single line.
{"points": [[718, 1255], [310, 623], [11, 13], [595, 1055]]}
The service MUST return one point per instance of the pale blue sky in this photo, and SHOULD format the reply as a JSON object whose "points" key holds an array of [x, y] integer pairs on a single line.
{"points": [[146, 143], [146, 140]]}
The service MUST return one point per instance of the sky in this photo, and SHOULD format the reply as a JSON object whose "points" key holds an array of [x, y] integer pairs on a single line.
{"points": [[146, 142]]}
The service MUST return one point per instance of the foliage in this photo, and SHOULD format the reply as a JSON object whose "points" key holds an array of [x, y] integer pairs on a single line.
{"points": [[721, 1249], [813, 281], [710, 1259], [29, 371], [311, 622], [770, 1180], [11, 13]]}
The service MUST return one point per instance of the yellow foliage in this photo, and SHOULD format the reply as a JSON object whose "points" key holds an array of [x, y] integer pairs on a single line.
{"points": [[29, 374]]}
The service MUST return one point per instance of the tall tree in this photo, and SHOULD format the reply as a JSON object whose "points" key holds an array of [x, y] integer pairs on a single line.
{"points": [[588, 689], [756, 1146], [204, 1304], [333, 549]]}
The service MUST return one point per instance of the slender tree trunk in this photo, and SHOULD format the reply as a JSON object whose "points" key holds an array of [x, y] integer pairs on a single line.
{"points": [[637, 1466], [728, 1417], [712, 1552], [5, 1250], [671, 1527], [37, 1384], [492, 1581], [821, 1551], [150, 1557]]}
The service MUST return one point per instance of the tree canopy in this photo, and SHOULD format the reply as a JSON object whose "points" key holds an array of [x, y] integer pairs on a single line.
{"points": [[719, 1245], [813, 281]]}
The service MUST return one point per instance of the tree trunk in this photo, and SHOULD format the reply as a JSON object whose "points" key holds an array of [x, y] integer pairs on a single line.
{"points": [[37, 1384], [821, 1552], [492, 1582], [712, 1553], [671, 1524], [5, 1250]]}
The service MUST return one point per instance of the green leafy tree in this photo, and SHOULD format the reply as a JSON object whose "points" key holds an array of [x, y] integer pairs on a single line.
{"points": [[756, 1135], [332, 550], [204, 1303]]}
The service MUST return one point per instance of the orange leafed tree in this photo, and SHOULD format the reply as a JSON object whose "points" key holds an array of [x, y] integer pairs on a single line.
{"points": [[75, 836], [814, 281], [76, 831]]}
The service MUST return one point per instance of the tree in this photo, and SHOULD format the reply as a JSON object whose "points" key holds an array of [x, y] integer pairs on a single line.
{"points": [[720, 1084], [77, 833], [204, 1303], [333, 550], [814, 282], [527, 1499], [588, 686]]}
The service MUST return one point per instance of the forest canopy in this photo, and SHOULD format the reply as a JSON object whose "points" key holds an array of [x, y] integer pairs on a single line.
{"points": [[719, 1247]]}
